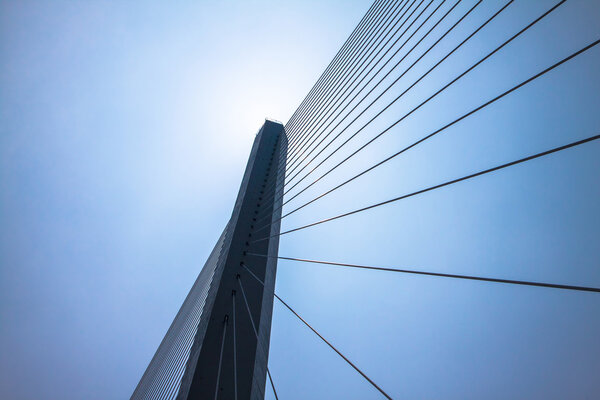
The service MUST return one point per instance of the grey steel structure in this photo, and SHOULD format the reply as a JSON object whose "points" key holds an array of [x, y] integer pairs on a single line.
{"points": [[217, 346], [211, 349]]}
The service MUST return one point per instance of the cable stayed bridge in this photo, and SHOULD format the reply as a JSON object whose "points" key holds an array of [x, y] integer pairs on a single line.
{"points": [[412, 74]]}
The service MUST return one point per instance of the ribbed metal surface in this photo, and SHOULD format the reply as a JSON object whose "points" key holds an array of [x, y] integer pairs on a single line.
{"points": [[163, 376]]}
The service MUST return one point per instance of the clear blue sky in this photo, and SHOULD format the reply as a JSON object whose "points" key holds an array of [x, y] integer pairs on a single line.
{"points": [[124, 132]]}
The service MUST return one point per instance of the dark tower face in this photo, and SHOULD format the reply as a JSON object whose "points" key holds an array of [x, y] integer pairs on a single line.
{"points": [[218, 344]]}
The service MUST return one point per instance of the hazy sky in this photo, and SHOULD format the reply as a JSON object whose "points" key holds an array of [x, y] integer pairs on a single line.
{"points": [[125, 128]]}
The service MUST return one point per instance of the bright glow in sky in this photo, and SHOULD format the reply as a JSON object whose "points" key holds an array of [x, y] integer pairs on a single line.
{"points": [[125, 128]]}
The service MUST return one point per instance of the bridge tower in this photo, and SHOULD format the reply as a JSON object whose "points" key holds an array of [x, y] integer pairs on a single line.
{"points": [[218, 344]]}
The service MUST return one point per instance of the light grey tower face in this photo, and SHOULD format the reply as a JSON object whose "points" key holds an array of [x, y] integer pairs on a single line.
{"points": [[218, 344]]}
